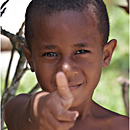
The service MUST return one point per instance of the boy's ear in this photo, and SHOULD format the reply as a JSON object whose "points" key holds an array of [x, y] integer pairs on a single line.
{"points": [[28, 56], [108, 51]]}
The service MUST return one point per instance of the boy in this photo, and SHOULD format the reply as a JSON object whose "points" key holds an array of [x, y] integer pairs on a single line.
{"points": [[66, 48]]}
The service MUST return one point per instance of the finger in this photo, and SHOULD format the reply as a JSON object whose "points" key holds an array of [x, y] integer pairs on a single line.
{"points": [[63, 90], [54, 105], [63, 115], [60, 125], [43, 120], [45, 125]]}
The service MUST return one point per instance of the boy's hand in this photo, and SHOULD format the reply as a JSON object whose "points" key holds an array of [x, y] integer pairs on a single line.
{"points": [[64, 91], [50, 111]]}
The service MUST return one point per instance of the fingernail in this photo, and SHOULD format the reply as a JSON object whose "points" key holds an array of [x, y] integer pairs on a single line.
{"points": [[76, 115]]}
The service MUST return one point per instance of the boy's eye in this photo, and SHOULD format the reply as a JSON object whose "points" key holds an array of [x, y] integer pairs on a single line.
{"points": [[50, 54], [82, 52]]}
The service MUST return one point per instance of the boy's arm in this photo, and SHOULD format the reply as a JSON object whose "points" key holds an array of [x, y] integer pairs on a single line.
{"points": [[43, 110], [16, 114]]}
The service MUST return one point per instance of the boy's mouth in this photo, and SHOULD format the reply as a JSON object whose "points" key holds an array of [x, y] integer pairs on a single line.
{"points": [[73, 87]]}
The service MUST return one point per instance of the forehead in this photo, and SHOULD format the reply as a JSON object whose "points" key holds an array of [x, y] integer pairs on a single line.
{"points": [[66, 26]]}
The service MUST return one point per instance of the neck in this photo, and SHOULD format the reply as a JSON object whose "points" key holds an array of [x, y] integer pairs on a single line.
{"points": [[85, 108]]}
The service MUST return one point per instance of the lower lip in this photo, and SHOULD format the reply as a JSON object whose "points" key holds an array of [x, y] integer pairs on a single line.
{"points": [[72, 88]]}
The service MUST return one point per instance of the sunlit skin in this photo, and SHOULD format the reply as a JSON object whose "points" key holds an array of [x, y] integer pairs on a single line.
{"points": [[67, 55], [73, 46], [70, 42]]}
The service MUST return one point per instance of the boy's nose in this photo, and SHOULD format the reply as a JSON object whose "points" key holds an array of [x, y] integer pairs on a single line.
{"points": [[69, 70]]}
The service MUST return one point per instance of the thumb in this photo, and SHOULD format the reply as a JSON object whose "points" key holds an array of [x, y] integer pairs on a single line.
{"points": [[63, 90]]}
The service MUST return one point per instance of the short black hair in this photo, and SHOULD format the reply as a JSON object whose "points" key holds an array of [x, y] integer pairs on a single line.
{"points": [[49, 7]]}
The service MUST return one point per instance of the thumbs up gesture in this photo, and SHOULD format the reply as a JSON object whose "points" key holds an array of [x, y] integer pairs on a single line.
{"points": [[50, 111]]}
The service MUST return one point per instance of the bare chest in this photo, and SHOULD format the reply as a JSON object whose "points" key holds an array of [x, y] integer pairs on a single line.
{"points": [[92, 125]]}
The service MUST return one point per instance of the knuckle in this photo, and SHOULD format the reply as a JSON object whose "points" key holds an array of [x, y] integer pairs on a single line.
{"points": [[72, 124], [67, 104], [49, 102], [59, 114], [51, 99], [71, 99], [58, 126]]}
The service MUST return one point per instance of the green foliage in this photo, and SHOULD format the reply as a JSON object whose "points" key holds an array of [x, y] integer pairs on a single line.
{"points": [[27, 82]]}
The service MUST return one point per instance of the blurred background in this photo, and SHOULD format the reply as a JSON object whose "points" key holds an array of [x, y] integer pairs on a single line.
{"points": [[109, 91]]}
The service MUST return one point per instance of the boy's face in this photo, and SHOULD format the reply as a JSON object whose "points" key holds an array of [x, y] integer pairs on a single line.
{"points": [[70, 42]]}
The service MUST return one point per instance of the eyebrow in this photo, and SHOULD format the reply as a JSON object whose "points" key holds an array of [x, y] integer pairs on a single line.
{"points": [[81, 45], [49, 47]]}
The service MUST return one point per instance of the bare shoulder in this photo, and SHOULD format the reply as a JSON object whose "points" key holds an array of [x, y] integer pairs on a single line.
{"points": [[16, 100], [14, 103], [117, 121], [12, 107], [110, 119], [120, 122]]}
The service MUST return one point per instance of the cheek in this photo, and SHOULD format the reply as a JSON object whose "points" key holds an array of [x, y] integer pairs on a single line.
{"points": [[92, 71], [44, 77]]}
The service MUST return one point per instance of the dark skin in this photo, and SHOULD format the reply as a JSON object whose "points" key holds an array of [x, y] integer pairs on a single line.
{"points": [[67, 55]]}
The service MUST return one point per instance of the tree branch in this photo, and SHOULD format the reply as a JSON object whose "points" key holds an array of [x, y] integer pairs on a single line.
{"points": [[125, 92], [14, 38], [8, 71], [34, 89]]}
